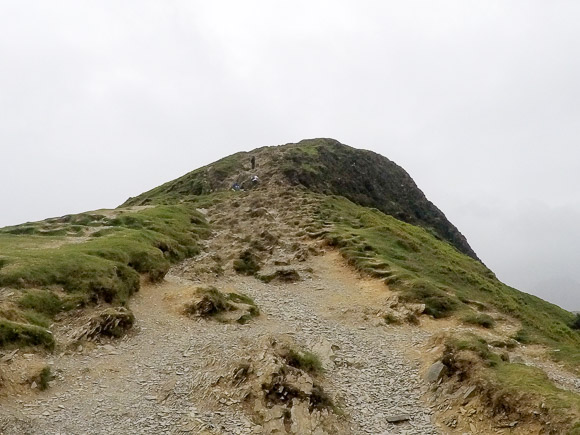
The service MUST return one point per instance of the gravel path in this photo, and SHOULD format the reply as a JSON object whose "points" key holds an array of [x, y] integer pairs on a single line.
{"points": [[370, 370], [158, 379], [166, 377]]}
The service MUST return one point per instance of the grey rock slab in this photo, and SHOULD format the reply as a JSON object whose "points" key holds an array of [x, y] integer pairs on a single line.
{"points": [[398, 418], [469, 392], [434, 372]]}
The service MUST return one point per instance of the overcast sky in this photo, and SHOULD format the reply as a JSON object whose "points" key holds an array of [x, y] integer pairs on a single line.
{"points": [[478, 100]]}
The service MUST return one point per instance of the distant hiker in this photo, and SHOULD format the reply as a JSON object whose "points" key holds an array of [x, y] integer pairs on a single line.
{"points": [[253, 162], [236, 187], [255, 179]]}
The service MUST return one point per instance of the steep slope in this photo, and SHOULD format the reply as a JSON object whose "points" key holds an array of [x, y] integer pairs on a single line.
{"points": [[66, 283], [51, 269], [187, 375], [325, 166]]}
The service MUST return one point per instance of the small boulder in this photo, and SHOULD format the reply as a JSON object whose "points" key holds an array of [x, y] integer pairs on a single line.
{"points": [[398, 418], [435, 372], [286, 275], [469, 392]]}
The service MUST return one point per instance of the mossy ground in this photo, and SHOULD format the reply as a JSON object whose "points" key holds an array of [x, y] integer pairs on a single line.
{"points": [[427, 270], [509, 388], [13, 334], [79, 260], [99, 257], [304, 360], [212, 303]]}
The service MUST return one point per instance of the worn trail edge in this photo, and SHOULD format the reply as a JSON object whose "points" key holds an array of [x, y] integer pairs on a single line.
{"points": [[164, 377]]}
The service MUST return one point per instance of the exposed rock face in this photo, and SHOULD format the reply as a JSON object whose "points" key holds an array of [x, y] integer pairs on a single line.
{"points": [[324, 166], [435, 372], [286, 399], [371, 180], [111, 322]]}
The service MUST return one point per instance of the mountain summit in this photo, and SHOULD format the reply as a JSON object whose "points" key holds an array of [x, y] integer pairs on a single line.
{"points": [[324, 166], [307, 288]]}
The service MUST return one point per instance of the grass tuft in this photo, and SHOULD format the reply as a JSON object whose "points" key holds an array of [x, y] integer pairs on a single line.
{"points": [[438, 275], [211, 303], [391, 319], [41, 301], [247, 264], [304, 360], [479, 319], [44, 378], [106, 268], [14, 334]]}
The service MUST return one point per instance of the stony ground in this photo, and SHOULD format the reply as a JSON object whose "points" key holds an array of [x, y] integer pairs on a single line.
{"points": [[163, 377], [153, 381], [172, 373]]}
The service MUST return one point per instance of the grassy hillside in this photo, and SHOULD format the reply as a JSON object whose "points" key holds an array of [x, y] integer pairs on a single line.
{"points": [[86, 259], [369, 179], [324, 166], [427, 270], [428, 262], [424, 269]]}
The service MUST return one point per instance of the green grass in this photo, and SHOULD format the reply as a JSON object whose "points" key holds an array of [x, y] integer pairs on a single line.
{"points": [[69, 225], [213, 302], [247, 263], [41, 301], [320, 165], [105, 267], [508, 387], [13, 334], [304, 360], [473, 343], [37, 319], [202, 182], [519, 376], [44, 378], [241, 298], [253, 310], [479, 319], [425, 269]]}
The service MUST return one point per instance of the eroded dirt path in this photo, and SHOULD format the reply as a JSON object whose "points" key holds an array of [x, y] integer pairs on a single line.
{"points": [[167, 375], [158, 380]]}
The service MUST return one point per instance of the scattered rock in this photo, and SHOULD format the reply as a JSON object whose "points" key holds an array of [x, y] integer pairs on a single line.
{"points": [[469, 392], [111, 322], [7, 358], [285, 275], [435, 372], [366, 370], [398, 418]]}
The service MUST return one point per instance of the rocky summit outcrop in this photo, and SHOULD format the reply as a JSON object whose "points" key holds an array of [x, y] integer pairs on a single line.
{"points": [[324, 166]]}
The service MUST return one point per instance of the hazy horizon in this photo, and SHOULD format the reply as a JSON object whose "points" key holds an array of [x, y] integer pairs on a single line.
{"points": [[477, 101]]}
